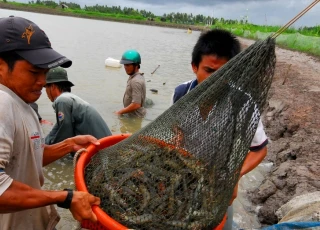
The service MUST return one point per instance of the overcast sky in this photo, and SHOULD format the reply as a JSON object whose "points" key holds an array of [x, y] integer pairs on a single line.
{"points": [[271, 12]]}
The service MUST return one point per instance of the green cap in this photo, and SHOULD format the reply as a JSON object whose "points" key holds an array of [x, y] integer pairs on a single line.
{"points": [[130, 57], [57, 74]]}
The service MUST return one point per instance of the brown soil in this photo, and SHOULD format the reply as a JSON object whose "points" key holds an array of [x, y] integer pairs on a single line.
{"points": [[292, 123]]}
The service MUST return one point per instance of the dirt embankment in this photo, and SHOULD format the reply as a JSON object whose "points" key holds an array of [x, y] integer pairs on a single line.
{"points": [[292, 123]]}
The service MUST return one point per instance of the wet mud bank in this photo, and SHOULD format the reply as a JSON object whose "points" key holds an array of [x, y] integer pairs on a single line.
{"points": [[292, 123]]}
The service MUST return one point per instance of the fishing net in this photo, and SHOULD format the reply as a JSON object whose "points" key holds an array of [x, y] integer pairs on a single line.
{"points": [[179, 171]]}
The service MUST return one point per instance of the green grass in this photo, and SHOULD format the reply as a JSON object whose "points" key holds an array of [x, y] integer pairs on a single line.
{"points": [[102, 15], [312, 31], [303, 40]]}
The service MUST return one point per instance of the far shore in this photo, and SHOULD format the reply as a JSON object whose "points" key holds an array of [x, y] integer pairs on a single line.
{"points": [[46, 10]]}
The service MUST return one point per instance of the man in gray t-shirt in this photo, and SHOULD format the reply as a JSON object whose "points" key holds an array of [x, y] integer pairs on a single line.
{"points": [[26, 55], [135, 94], [74, 116]]}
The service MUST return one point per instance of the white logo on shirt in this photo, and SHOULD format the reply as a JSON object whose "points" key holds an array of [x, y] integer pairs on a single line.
{"points": [[36, 139]]}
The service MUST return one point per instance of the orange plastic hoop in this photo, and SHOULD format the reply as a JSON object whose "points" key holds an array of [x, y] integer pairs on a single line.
{"points": [[103, 218], [105, 222]]}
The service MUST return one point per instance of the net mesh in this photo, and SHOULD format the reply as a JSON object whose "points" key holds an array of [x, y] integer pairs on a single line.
{"points": [[179, 171]]}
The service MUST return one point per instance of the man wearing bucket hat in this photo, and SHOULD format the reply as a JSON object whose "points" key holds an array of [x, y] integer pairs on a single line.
{"points": [[74, 115], [135, 94], [26, 56]]}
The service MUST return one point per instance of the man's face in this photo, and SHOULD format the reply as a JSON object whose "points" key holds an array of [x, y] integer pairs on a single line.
{"points": [[25, 80], [130, 68], [207, 66]]}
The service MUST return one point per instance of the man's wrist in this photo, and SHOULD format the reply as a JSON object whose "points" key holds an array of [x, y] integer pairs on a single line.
{"points": [[70, 144], [120, 112], [67, 202]]}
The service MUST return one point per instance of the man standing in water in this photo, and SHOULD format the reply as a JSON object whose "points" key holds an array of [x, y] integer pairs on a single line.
{"points": [[213, 49], [26, 56], [135, 94], [74, 115]]}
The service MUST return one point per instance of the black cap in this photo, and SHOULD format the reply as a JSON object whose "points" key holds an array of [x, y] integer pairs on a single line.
{"points": [[30, 42]]}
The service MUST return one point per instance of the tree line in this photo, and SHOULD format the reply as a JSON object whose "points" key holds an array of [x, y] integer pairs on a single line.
{"points": [[179, 18]]}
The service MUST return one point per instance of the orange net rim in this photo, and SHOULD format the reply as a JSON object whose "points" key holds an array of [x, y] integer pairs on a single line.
{"points": [[85, 158], [82, 162]]}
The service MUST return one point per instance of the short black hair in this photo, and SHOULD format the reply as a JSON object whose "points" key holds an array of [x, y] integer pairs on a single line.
{"points": [[63, 86], [10, 57], [215, 42], [135, 64]]}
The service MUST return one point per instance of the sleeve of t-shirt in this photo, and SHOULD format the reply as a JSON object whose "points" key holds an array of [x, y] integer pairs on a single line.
{"points": [[6, 140], [137, 92], [260, 139], [64, 130]]}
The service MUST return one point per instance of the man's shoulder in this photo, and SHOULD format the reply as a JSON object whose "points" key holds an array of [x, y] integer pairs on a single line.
{"points": [[65, 97], [5, 95], [139, 77], [184, 85], [6, 99], [138, 82], [181, 90]]}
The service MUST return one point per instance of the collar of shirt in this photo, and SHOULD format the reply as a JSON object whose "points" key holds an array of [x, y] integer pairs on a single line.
{"points": [[193, 84], [135, 74]]}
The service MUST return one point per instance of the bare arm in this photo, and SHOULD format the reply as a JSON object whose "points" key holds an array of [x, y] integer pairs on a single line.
{"points": [[73, 144], [19, 197], [130, 108], [253, 159]]}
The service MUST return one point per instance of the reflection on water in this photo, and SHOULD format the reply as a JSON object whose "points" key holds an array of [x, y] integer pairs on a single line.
{"points": [[130, 124]]}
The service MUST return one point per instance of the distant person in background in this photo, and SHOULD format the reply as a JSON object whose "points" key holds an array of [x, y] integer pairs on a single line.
{"points": [[35, 108], [74, 116], [135, 94]]}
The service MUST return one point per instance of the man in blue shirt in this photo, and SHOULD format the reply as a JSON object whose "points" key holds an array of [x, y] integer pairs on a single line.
{"points": [[213, 49]]}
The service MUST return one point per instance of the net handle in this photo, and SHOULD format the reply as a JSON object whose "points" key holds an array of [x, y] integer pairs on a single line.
{"points": [[286, 26]]}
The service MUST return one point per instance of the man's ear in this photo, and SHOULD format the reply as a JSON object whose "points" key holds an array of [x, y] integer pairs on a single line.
{"points": [[194, 68]]}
